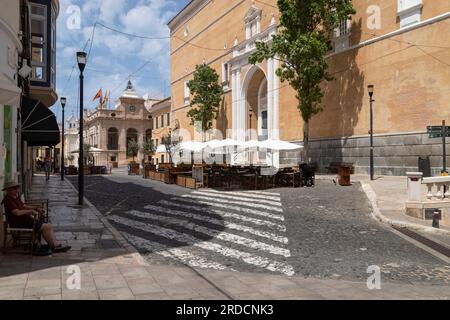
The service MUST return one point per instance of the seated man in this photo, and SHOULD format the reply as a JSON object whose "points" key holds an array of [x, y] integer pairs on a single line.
{"points": [[23, 216]]}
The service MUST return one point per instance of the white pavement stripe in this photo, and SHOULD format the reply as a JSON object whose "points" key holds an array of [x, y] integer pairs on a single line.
{"points": [[246, 257], [242, 203], [216, 234], [182, 203], [240, 198], [263, 192], [220, 223], [173, 253], [212, 203], [243, 194]]}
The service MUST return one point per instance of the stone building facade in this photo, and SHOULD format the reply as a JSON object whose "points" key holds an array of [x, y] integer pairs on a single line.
{"points": [[399, 46], [161, 125], [111, 130]]}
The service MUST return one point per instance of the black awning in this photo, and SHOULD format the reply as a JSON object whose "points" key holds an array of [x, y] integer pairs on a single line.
{"points": [[39, 125]]}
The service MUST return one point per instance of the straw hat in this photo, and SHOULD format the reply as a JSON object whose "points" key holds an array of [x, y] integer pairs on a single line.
{"points": [[10, 185]]}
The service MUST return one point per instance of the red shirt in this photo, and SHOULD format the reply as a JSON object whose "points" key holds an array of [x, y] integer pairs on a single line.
{"points": [[14, 221]]}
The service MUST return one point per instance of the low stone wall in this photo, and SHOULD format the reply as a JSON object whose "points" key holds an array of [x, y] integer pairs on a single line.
{"points": [[395, 154]]}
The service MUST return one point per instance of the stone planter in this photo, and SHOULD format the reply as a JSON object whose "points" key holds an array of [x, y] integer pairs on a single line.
{"points": [[191, 183], [134, 169], [181, 181]]}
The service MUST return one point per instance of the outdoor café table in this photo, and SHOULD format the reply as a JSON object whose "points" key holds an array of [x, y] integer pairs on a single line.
{"points": [[252, 175], [290, 177]]}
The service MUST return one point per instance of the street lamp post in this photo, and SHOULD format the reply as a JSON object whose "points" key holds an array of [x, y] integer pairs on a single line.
{"points": [[81, 59], [63, 104], [372, 165], [151, 137], [250, 154]]}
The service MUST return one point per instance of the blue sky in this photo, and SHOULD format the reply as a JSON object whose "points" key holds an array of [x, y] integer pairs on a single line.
{"points": [[115, 56]]}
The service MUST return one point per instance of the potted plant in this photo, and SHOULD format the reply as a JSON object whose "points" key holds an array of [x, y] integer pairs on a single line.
{"points": [[147, 149], [87, 155], [133, 150]]}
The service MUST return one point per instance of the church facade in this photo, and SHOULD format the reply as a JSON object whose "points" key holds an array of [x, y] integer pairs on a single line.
{"points": [[398, 46]]}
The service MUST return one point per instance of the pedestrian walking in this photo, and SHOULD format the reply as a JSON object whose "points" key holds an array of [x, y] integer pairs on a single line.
{"points": [[47, 167]]}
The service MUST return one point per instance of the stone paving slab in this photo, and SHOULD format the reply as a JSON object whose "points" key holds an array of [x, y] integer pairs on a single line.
{"points": [[119, 273]]}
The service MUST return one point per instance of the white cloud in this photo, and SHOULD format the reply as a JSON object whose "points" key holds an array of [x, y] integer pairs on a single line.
{"points": [[114, 56]]}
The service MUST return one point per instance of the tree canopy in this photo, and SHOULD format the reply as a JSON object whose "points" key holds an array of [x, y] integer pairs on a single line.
{"points": [[207, 94], [303, 40]]}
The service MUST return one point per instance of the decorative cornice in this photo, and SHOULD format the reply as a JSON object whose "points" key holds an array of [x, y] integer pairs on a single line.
{"points": [[190, 10]]}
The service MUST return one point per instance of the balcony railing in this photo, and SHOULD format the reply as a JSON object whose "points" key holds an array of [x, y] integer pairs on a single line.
{"points": [[428, 189]]}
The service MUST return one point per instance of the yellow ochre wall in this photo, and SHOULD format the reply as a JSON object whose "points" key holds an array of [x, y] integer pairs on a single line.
{"points": [[412, 83]]}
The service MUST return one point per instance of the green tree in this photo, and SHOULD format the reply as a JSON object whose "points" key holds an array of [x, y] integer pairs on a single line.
{"points": [[169, 144], [133, 148], [301, 44], [207, 94], [148, 148], [70, 158]]}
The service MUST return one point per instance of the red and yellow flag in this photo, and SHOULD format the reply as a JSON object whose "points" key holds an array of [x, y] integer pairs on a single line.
{"points": [[99, 95]]}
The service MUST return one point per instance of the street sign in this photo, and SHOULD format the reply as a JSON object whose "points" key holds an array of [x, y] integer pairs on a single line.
{"points": [[444, 133], [437, 131]]}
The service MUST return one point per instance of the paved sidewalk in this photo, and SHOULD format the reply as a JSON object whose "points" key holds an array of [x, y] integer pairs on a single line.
{"points": [[110, 269]]}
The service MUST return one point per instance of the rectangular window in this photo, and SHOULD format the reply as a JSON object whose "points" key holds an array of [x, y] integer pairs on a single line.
{"points": [[53, 50], [187, 94], [162, 159], [225, 74], [409, 12], [162, 121], [342, 35], [157, 123], [168, 119], [38, 23], [157, 144]]}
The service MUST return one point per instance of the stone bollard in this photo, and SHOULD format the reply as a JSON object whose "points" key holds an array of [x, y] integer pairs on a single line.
{"points": [[414, 186]]}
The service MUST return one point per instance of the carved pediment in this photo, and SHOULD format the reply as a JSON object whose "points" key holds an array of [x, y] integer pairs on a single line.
{"points": [[252, 13]]}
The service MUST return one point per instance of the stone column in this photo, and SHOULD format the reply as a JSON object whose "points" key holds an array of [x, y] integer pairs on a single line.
{"points": [[270, 85], [276, 102], [141, 143], [123, 145], [234, 103]]}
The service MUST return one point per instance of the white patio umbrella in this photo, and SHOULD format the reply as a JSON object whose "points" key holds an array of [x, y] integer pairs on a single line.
{"points": [[192, 146], [91, 150], [251, 144], [279, 145], [223, 146]]}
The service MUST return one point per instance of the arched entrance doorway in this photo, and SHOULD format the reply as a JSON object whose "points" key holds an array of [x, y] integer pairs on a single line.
{"points": [[255, 112]]}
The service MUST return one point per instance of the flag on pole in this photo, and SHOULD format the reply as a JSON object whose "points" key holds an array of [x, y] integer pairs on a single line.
{"points": [[106, 99], [98, 95]]}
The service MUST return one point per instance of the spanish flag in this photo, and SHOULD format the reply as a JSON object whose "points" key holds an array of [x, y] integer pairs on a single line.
{"points": [[99, 95]]}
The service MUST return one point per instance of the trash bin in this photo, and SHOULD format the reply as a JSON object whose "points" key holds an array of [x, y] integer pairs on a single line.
{"points": [[344, 173], [425, 166]]}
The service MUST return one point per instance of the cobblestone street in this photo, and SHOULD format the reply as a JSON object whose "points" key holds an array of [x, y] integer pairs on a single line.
{"points": [[324, 232]]}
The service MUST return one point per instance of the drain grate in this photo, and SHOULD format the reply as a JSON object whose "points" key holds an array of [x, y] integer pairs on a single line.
{"points": [[429, 243]]}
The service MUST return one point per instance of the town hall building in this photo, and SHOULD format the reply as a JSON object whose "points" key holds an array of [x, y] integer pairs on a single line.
{"points": [[109, 131]]}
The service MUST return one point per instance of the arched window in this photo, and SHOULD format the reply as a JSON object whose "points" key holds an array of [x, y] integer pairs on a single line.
{"points": [[113, 139]]}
